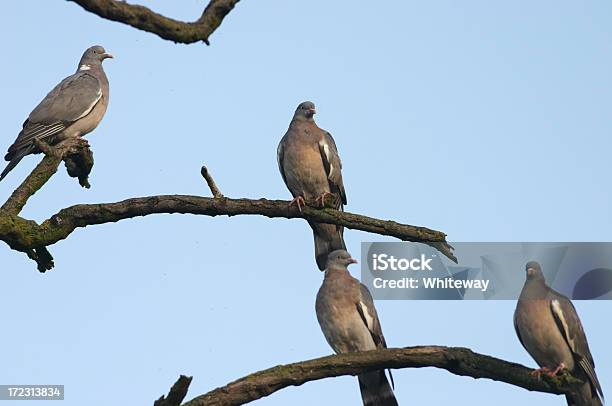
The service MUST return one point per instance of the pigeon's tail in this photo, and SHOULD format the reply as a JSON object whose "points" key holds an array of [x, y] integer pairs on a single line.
{"points": [[375, 389], [12, 164], [586, 395], [327, 238]]}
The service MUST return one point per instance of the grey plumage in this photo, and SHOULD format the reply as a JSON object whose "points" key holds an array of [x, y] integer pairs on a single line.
{"points": [[73, 108], [309, 163], [549, 328], [348, 319]]}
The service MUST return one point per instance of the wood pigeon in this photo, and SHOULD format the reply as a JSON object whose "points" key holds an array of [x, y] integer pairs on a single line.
{"points": [[349, 321], [310, 166], [73, 108], [548, 326]]}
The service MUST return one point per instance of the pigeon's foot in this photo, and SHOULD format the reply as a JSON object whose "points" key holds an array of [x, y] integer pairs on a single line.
{"points": [[299, 202], [550, 372], [321, 199], [560, 368], [538, 372]]}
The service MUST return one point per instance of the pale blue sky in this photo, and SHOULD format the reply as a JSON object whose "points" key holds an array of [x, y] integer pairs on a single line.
{"points": [[487, 120]]}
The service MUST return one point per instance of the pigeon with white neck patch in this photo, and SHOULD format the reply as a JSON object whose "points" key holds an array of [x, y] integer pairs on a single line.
{"points": [[348, 319], [73, 108], [310, 166], [548, 326]]}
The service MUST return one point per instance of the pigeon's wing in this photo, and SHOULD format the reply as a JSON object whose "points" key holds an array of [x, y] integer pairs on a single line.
{"points": [[518, 332], [368, 314], [72, 99], [280, 156], [367, 311], [69, 101], [569, 325], [332, 164]]}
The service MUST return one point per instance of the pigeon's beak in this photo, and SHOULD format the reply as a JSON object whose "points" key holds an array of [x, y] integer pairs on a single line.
{"points": [[107, 55], [352, 261], [312, 111]]}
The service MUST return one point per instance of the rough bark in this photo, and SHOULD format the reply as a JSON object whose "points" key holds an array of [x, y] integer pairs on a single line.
{"points": [[145, 19], [456, 360]]}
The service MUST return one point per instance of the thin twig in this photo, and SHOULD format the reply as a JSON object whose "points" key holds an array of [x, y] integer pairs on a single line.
{"points": [[211, 183]]}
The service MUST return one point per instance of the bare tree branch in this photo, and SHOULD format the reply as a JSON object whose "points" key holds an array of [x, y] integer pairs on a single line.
{"points": [[22, 235], [32, 238], [456, 360], [177, 393], [144, 19]]}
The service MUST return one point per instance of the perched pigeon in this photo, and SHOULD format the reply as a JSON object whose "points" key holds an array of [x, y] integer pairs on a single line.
{"points": [[72, 109], [548, 327], [310, 166], [348, 318]]}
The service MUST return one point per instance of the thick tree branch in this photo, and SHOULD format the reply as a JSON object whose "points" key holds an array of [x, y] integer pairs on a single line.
{"points": [[142, 18], [22, 234], [459, 361]]}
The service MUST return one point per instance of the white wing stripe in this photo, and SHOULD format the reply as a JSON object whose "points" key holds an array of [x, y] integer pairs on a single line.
{"points": [[556, 308], [323, 144], [368, 317], [584, 362], [88, 110]]}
